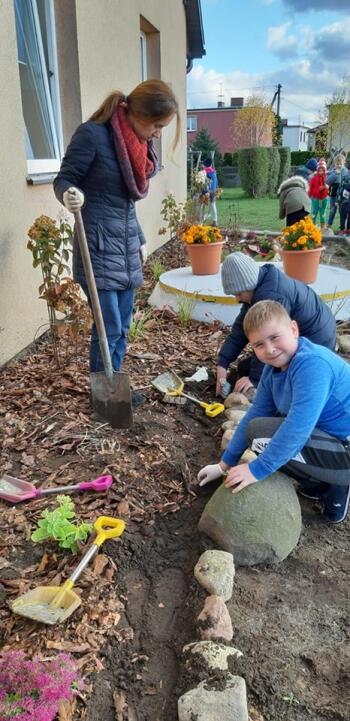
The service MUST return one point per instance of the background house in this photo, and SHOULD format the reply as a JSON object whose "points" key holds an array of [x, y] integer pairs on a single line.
{"points": [[220, 123], [295, 137], [59, 59]]}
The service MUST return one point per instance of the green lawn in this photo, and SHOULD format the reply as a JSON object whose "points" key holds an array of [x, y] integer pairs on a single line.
{"points": [[257, 214]]}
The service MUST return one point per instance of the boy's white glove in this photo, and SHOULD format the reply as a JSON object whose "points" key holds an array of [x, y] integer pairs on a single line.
{"points": [[346, 194], [143, 253], [73, 199], [210, 473]]}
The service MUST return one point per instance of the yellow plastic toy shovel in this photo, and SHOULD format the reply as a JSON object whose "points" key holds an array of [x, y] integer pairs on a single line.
{"points": [[171, 384], [53, 604]]}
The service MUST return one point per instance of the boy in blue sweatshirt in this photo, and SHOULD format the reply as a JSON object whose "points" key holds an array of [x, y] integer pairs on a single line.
{"points": [[299, 421]]}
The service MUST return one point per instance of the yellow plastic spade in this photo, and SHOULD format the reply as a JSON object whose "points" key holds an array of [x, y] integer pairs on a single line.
{"points": [[171, 384], [53, 604]]}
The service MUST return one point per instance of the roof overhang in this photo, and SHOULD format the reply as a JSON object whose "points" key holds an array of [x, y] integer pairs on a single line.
{"points": [[195, 33]]}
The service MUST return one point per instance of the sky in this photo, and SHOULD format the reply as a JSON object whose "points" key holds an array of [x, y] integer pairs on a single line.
{"points": [[252, 45]]}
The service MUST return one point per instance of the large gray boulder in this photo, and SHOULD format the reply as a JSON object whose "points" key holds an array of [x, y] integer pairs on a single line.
{"points": [[260, 524]]}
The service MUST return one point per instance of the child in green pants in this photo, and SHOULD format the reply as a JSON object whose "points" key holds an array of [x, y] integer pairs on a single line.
{"points": [[318, 192]]}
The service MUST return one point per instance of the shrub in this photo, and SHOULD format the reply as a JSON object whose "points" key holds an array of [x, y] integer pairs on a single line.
{"points": [[253, 170], [300, 157], [227, 159], [274, 168], [284, 164], [31, 690], [57, 526]]}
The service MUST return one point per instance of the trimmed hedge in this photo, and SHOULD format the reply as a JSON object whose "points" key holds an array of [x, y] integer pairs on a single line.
{"points": [[253, 166], [285, 164], [300, 157], [274, 169]]}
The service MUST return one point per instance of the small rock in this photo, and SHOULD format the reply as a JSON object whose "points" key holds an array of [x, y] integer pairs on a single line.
{"points": [[215, 571], [226, 438], [214, 620], [248, 456], [214, 655], [344, 343], [208, 702], [228, 426], [235, 416], [236, 400]]}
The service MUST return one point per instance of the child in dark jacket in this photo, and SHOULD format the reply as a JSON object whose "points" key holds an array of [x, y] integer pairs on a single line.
{"points": [[344, 205], [251, 282], [318, 192], [335, 178], [299, 421]]}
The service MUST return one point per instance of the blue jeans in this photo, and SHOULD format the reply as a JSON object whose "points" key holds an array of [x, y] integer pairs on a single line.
{"points": [[332, 210], [116, 307]]}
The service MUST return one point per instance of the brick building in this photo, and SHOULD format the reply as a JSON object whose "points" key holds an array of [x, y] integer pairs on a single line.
{"points": [[220, 122]]}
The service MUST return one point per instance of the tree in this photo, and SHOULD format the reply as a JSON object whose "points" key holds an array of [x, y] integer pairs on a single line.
{"points": [[205, 144], [253, 124], [338, 115]]}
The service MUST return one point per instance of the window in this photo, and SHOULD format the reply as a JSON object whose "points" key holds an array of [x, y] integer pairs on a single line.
{"points": [[143, 49], [192, 123], [301, 136], [37, 61]]}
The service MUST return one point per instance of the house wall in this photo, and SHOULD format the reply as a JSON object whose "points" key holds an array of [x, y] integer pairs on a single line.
{"points": [[296, 137], [98, 51], [220, 124]]}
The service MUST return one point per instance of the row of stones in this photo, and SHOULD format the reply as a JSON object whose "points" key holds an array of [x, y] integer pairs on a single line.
{"points": [[221, 695]]}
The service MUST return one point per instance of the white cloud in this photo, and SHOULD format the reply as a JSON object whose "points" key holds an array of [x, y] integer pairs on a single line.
{"points": [[280, 42], [303, 93]]}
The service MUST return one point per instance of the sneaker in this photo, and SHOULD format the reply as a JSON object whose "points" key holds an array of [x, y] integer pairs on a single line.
{"points": [[336, 504], [313, 491], [137, 399], [341, 232]]}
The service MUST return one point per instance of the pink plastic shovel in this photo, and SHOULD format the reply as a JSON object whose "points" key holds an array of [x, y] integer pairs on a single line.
{"points": [[14, 490]]}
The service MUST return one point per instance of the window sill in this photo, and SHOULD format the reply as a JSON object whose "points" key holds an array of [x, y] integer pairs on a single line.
{"points": [[40, 178]]}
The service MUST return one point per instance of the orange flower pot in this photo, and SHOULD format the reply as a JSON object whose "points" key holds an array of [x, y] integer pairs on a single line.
{"points": [[302, 264], [205, 258]]}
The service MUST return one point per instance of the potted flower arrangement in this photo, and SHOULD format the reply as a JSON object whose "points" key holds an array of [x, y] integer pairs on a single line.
{"points": [[301, 248], [204, 245]]}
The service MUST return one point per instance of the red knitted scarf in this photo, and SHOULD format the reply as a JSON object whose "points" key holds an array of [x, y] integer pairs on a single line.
{"points": [[137, 159]]}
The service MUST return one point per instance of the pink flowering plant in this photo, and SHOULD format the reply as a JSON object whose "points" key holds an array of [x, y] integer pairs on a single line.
{"points": [[32, 689]]}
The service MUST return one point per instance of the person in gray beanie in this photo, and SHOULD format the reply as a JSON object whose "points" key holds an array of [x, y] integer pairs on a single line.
{"points": [[251, 282]]}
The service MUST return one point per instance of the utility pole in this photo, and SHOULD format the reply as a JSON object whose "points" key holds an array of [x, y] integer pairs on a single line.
{"points": [[278, 96]]}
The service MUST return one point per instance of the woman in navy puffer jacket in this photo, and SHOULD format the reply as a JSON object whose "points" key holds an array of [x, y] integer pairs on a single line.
{"points": [[106, 168]]}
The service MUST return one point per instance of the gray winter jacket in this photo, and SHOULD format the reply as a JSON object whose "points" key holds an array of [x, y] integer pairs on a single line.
{"points": [[112, 229], [293, 196]]}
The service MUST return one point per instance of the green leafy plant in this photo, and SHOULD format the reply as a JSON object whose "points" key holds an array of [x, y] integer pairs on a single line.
{"points": [[156, 268], [185, 307], [51, 248], [57, 526], [139, 323], [291, 699]]}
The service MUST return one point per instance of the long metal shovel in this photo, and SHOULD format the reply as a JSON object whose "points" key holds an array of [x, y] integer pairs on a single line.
{"points": [[110, 390], [53, 604]]}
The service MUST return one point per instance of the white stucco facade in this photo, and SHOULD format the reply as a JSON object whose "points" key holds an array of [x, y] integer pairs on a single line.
{"points": [[98, 50], [295, 137]]}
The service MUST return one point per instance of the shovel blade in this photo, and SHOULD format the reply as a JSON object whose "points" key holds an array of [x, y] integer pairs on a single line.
{"points": [[111, 398], [168, 382], [36, 604]]}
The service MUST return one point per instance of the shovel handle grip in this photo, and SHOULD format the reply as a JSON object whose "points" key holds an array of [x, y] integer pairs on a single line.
{"points": [[107, 527], [99, 484], [212, 409]]}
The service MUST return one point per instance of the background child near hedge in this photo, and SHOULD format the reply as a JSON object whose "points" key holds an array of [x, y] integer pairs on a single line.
{"points": [[299, 421], [318, 192]]}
